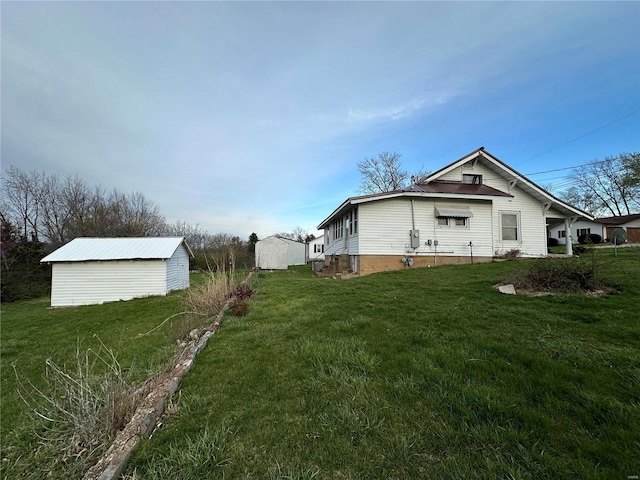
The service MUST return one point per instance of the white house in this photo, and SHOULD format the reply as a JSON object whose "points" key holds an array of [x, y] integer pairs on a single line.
{"points": [[277, 253], [580, 227], [471, 210], [96, 270], [315, 249], [600, 226], [629, 223]]}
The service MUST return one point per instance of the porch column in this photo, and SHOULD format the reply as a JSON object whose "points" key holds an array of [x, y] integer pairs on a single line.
{"points": [[568, 239]]}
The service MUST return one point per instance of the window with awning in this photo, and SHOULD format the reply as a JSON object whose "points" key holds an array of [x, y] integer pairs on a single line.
{"points": [[453, 212]]}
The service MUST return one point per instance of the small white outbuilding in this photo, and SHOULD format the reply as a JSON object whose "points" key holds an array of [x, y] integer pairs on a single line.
{"points": [[89, 271], [277, 253]]}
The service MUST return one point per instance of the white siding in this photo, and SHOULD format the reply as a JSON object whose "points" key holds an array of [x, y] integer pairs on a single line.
{"points": [[385, 227], [271, 253], [85, 283], [532, 228], [178, 270], [315, 247], [348, 244]]}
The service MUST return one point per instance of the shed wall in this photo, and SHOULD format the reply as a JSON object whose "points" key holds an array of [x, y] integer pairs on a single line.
{"points": [[178, 270], [271, 253], [86, 283]]}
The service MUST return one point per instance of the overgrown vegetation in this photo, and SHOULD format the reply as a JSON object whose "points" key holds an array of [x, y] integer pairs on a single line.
{"points": [[82, 406], [557, 276]]}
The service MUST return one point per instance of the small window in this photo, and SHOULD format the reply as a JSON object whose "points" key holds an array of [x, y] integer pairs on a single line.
{"points": [[562, 234], [338, 228], [453, 222], [472, 179], [510, 230], [584, 231], [353, 222]]}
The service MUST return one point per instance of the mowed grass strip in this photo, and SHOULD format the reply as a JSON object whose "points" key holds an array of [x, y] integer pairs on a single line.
{"points": [[423, 373]]}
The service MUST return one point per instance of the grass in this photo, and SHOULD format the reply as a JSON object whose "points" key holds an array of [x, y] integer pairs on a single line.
{"points": [[32, 334], [425, 373]]}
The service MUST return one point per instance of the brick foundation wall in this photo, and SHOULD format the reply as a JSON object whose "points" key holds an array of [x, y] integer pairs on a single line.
{"points": [[382, 263]]}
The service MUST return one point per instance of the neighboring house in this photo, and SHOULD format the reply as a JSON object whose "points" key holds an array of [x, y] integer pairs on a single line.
{"points": [[277, 253], [315, 249], [96, 270], [630, 223], [471, 210], [580, 227]]}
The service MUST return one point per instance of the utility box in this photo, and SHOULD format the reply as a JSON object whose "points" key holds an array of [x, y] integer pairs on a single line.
{"points": [[415, 238]]}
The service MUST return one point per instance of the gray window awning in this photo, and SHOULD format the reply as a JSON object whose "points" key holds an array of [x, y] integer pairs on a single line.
{"points": [[460, 212]]}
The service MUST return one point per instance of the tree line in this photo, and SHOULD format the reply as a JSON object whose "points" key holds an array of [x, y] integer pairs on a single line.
{"points": [[40, 212]]}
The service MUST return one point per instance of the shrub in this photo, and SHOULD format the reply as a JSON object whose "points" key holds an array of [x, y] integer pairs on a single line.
{"points": [[552, 242], [554, 276], [211, 296], [239, 307], [589, 238]]}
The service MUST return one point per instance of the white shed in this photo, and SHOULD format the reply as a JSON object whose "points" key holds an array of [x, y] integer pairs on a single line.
{"points": [[89, 271], [277, 253]]}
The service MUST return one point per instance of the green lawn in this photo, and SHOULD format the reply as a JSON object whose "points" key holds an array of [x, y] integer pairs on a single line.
{"points": [[425, 373], [32, 332]]}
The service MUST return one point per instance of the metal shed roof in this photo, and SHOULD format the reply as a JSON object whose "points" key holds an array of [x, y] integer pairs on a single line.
{"points": [[84, 249]]}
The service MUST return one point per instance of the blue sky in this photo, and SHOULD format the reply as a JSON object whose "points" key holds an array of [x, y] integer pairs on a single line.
{"points": [[251, 116]]}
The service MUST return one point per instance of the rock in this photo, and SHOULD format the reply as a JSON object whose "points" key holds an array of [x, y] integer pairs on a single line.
{"points": [[507, 289]]}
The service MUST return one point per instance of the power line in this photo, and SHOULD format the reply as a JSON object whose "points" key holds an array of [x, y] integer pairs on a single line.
{"points": [[566, 168], [581, 136]]}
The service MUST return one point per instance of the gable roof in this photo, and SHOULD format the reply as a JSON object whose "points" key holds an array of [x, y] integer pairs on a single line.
{"points": [[505, 171], [84, 249], [431, 186]]}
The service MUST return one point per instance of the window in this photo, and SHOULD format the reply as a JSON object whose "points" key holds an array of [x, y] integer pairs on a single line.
{"points": [[338, 228], [584, 231], [353, 222], [562, 234], [509, 223], [472, 179], [318, 248], [462, 222]]}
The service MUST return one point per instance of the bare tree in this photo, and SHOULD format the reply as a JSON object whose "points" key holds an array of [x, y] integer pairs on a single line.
{"points": [[20, 193], [384, 174], [381, 174], [607, 187]]}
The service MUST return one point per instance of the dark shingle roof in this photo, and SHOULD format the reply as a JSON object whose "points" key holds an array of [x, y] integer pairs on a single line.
{"points": [[441, 186], [619, 220]]}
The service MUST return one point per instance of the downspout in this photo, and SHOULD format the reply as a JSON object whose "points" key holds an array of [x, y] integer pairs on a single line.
{"points": [[413, 218]]}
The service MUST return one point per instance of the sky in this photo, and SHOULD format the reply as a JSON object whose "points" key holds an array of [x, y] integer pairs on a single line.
{"points": [[249, 117]]}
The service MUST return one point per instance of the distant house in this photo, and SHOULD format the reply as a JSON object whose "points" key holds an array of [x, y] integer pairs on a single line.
{"points": [[580, 227], [630, 223], [315, 249], [277, 253], [477, 207], [96, 270], [599, 226]]}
